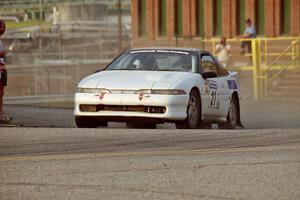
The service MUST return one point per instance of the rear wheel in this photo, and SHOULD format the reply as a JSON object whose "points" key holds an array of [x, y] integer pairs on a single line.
{"points": [[89, 122], [233, 115], [193, 119]]}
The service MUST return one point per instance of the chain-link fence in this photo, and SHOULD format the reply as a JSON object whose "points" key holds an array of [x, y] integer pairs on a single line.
{"points": [[51, 59]]}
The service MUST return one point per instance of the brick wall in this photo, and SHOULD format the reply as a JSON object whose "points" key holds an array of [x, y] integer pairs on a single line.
{"points": [[233, 18], [273, 16], [150, 19], [270, 18], [277, 17], [208, 19], [170, 19], [134, 19], [193, 18], [295, 17], [250, 10], [187, 17]]}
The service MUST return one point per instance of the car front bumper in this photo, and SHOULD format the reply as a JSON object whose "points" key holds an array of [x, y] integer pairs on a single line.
{"points": [[175, 105]]}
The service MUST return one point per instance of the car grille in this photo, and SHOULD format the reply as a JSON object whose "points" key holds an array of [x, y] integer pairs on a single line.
{"points": [[143, 109]]}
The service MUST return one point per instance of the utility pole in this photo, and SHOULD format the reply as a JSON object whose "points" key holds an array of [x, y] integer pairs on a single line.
{"points": [[40, 49], [120, 31], [40, 26], [40, 11]]}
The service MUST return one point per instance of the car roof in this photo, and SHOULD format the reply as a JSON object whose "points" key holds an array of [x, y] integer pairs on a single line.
{"points": [[169, 48]]}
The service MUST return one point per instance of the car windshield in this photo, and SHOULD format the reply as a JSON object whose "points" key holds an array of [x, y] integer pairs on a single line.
{"points": [[155, 60]]}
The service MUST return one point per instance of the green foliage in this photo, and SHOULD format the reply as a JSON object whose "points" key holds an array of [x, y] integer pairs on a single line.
{"points": [[16, 25]]}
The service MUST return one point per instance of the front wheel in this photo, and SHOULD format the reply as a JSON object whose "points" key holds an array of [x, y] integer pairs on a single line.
{"points": [[193, 119]]}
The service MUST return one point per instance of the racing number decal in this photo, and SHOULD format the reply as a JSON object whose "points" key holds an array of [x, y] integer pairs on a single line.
{"points": [[213, 87], [213, 99]]}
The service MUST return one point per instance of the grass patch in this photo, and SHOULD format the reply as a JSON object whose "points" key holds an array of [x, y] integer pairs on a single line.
{"points": [[17, 25]]}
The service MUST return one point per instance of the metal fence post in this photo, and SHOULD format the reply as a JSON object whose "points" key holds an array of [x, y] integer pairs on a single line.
{"points": [[294, 53], [257, 71], [297, 61]]}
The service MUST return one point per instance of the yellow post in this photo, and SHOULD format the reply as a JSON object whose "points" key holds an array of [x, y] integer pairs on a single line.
{"points": [[294, 52], [257, 71], [266, 51], [296, 63]]}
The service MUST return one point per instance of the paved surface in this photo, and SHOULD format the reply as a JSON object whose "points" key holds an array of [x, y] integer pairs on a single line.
{"points": [[48, 162], [55, 163]]}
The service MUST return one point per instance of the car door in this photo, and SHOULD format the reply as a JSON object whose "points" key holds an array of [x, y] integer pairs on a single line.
{"points": [[228, 86], [215, 99]]}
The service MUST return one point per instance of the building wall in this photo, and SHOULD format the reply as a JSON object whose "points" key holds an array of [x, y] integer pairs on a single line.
{"points": [[220, 17]]}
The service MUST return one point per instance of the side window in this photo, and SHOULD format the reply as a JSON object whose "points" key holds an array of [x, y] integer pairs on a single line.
{"points": [[208, 64]]}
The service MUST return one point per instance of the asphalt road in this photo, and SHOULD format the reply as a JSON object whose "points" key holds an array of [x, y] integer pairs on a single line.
{"points": [[56, 163], [49, 159]]}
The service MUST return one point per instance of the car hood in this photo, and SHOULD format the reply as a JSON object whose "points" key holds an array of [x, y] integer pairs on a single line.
{"points": [[132, 80]]}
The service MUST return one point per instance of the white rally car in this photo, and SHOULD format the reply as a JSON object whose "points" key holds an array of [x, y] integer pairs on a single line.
{"points": [[184, 86]]}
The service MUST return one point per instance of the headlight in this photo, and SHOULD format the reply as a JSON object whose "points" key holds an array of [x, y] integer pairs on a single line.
{"points": [[92, 90], [163, 92]]}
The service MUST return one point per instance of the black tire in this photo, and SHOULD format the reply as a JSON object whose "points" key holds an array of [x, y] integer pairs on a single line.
{"points": [[89, 122], [232, 121], [193, 119], [140, 125]]}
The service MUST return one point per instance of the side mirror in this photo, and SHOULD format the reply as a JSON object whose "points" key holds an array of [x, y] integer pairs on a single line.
{"points": [[209, 74]]}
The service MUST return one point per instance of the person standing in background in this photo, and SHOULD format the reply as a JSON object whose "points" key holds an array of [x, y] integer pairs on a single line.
{"points": [[223, 52], [3, 76], [249, 33]]}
